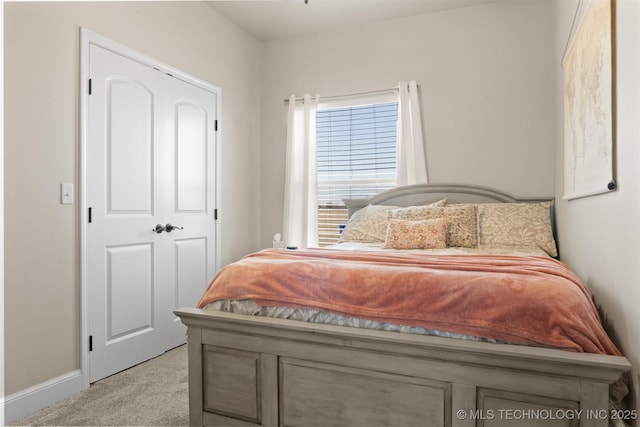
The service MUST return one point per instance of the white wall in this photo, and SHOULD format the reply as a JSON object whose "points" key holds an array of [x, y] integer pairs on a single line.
{"points": [[41, 151], [486, 83], [599, 236]]}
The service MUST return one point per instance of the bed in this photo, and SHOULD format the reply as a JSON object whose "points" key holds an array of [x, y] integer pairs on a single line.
{"points": [[334, 352]]}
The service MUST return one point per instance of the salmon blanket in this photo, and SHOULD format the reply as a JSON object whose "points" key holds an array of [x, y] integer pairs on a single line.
{"points": [[526, 300]]}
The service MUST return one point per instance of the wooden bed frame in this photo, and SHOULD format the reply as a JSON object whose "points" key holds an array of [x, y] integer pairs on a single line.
{"points": [[250, 370]]}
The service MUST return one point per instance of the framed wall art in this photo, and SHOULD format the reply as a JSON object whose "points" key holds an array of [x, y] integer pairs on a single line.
{"points": [[589, 98]]}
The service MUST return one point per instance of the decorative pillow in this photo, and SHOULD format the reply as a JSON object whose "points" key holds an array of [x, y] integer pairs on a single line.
{"points": [[461, 221], [369, 224], [517, 225], [425, 234]]}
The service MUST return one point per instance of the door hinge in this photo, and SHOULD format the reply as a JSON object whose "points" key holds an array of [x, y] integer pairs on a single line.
{"points": [[89, 86], [89, 215], [215, 126], [90, 342], [215, 214]]}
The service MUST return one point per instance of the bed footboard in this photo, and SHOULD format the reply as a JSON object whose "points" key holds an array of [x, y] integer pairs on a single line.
{"points": [[248, 371]]}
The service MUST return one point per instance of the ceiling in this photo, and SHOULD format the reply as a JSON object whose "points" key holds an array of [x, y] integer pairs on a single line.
{"points": [[275, 19]]}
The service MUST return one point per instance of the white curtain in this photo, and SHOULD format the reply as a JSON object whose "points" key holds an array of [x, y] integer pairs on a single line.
{"points": [[300, 226], [411, 160]]}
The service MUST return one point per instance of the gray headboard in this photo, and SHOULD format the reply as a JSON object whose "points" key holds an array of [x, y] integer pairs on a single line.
{"points": [[419, 194]]}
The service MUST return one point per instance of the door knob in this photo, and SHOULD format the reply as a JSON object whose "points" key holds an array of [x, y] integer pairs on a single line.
{"points": [[159, 228], [169, 228]]}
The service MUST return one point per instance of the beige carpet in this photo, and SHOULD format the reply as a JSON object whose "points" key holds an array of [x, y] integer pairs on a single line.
{"points": [[153, 393]]}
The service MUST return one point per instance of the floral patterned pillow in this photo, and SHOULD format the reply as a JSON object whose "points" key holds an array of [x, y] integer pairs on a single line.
{"points": [[461, 221], [369, 224], [516, 225], [424, 234]]}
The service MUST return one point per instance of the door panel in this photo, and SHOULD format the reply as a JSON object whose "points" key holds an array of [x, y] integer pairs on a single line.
{"points": [[130, 291], [129, 138], [191, 158], [191, 265]]}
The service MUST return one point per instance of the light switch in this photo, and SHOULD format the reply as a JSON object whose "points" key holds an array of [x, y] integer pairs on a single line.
{"points": [[66, 193]]}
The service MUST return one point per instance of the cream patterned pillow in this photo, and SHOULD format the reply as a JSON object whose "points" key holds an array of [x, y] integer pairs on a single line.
{"points": [[369, 224], [516, 225], [425, 234], [461, 221]]}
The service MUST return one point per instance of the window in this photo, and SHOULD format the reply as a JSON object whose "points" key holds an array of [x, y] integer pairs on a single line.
{"points": [[356, 155]]}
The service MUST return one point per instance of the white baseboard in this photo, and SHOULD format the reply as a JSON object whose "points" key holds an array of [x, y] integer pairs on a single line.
{"points": [[32, 399]]}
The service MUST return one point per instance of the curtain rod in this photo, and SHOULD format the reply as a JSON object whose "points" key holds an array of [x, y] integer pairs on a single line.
{"points": [[372, 92]]}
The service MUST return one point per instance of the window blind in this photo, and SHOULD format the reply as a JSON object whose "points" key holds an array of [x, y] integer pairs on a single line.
{"points": [[356, 155]]}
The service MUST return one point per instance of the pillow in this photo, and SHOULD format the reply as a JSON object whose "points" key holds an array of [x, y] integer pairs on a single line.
{"points": [[461, 221], [425, 234], [369, 224], [516, 225]]}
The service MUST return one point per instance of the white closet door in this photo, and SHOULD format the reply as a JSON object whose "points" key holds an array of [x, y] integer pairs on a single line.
{"points": [[190, 202], [124, 165], [150, 161]]}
